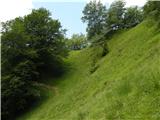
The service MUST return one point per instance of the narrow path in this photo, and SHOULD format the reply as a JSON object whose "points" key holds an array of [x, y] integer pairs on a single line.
{"points": [[52, 88]]}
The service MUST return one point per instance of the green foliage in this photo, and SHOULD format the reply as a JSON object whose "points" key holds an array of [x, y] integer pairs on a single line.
{"points": [[100, 41], [115, 15], [95, 17], [45, 32], [132, 16], [17, 94], [119, 17], [31, 46], [104, 22], [77, 42], [13, 44], [26, 70], [47, 37], [152, 9]]}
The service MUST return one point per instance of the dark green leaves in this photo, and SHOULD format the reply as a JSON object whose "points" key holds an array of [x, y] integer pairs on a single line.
{"points": [[31, 46]]}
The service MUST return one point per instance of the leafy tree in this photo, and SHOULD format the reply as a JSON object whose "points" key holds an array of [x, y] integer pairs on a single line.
{"points": [[95, 17], [31, 46], [17, 92], [77, 42], [14, 44], [132, 16], [47, 38], [152, 7], [115, 15]]}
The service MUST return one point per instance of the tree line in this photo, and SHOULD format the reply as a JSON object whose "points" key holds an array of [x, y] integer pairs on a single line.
{"points": [[100, 20]]}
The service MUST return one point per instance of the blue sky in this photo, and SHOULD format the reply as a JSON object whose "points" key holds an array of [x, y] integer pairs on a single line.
{"points": [[68, 13]]}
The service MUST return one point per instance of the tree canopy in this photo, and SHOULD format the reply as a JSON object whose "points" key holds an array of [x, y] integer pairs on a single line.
{"points": [[31, 46], [77, 42], [102, 21], [115, 14], [133, 16], [95, 17]]}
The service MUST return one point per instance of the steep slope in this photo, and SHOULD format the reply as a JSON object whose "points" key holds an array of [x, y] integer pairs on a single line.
{"points": [[125, 84]]}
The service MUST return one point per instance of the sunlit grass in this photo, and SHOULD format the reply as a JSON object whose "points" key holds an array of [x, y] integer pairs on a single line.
{"points": [[126, 84]]}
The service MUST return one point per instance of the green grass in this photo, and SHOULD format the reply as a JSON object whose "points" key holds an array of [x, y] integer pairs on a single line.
{"points": [[124, 86]]}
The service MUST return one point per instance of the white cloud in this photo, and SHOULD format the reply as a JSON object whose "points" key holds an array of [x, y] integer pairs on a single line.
{"points": [[10, 9]]}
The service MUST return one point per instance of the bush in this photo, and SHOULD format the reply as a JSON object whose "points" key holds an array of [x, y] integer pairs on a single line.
{"points": [[77, 42], [17, 94]]}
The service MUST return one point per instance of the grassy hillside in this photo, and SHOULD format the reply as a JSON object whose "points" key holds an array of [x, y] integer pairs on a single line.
{"points": [[125, 84]]}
